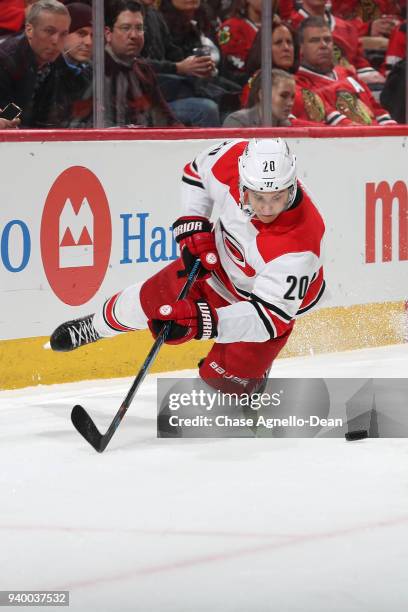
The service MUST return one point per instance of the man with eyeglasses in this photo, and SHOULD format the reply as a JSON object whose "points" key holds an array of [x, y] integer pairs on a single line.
{"points": [[27, 62], [132, 92]]}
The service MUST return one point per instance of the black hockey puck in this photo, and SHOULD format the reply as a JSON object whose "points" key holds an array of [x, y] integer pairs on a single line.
{"points": [[358, 434]]}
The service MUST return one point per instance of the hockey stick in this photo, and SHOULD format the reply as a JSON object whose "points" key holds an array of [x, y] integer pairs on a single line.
{"points": [[81, 419]]}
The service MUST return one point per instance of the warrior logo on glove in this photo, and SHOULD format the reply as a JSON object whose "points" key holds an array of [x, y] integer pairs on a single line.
{"points": [[186, 229], [190, 319], [196, 239]]}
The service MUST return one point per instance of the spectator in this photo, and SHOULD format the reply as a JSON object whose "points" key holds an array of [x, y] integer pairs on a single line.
{"points": [[191, 30], [190, 27], [393, 96], [176, 74], [72, 100], [28, 74], [347, 48], [163, 54], [284, 49], [236, 36], [78, 44], [283, 54], [283, 97], [307, 108], [340, 86], [133, 96]]}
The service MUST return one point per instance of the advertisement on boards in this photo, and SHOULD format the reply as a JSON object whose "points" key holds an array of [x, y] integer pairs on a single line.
{"points": [[91, 218]]}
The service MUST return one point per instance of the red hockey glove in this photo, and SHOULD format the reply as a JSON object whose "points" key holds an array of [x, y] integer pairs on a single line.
{"points": [[191, 319], [196, 239]]}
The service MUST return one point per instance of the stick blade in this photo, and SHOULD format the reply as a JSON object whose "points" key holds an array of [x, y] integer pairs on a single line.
{"points": [[87, 428]]}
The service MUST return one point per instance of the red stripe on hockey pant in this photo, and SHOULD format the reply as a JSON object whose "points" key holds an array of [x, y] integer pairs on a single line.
{"points": [[239, 366], [109, 315]]}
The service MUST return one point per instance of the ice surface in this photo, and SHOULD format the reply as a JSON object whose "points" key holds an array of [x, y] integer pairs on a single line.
{"points": [[162, 525]]}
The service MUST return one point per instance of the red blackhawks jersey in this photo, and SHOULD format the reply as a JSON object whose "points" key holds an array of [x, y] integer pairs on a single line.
{"points": [[270, 273], [235, 38], [345, 92], [348, 50], [311, 106]]}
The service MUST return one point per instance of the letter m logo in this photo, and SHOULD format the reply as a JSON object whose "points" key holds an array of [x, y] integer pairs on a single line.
{"points": [[76, 236], [386, 196]]}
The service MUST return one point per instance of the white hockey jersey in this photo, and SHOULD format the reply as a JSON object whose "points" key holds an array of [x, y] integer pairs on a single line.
{"points": [[271, 273]]}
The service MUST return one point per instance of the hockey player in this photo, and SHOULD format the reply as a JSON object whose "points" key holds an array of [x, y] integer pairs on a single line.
{"points": [[261, 266]]}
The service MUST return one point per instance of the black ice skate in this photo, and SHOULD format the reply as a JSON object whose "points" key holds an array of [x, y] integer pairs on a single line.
{"points": [[73, 334]]}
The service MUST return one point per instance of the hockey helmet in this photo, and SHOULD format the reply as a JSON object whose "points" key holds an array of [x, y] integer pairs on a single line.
{"points": [[267, 165]]}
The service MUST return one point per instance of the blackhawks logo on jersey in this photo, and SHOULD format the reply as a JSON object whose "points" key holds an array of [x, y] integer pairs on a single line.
{"points": [[314, 106], [224, 35], [350, 105]]}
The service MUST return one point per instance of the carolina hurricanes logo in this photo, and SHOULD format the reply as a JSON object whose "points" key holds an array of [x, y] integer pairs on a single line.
{"points": [[236, 253]]}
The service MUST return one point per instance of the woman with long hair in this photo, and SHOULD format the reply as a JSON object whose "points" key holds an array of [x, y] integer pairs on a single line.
{"points": [[284, 49], [283, 97]]}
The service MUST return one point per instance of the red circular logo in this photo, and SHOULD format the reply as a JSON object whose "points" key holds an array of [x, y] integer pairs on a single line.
{"points": [[76, 235]]}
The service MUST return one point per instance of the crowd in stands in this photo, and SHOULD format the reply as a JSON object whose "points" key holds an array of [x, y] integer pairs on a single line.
{"points": [[197, 63]]}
